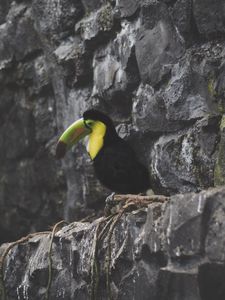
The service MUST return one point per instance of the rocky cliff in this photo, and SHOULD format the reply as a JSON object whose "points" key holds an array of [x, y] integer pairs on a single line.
{"points": [[167, 251], [157, 68]]}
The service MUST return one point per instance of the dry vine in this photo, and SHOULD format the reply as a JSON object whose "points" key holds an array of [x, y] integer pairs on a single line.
{"points": [[123, 204], [52, 235]]}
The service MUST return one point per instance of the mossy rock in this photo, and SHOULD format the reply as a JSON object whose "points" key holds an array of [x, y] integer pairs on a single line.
{"points": [[219, 172]]}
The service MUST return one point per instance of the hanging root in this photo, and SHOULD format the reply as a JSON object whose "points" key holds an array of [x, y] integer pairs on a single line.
{"points": [[117, 206], [108, 257], [52, 234], [139, 200], [94, 265]]}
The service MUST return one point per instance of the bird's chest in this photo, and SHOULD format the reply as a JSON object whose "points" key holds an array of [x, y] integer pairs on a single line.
{"points": [[105, 161], [111, 162]]}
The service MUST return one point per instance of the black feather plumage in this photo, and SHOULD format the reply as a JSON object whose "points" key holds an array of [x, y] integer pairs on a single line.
{"points": [[116, 165]]}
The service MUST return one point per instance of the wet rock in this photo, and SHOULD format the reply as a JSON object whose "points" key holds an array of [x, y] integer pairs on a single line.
{"points": [[215, 222], [56, 19], [91, 5], [96, 26], [149, 111], [188, 215], [4, 8], [218, 88], [23, 76], [184, 21], [180, 160], [32, 75], [6, 102], [210, 281], [14, 182], [183, 98], [20, 26], [186, 96], [172, 279], [6, 51], [158, 46], [76, 62], [115, 68], [219, 174], [139, 266], [41, 79], [209, 16], [23, 134], [44, 120], [58, 58], [126, 8]]}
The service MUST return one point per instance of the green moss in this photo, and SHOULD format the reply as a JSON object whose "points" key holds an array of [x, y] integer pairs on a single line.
{"points": [[219, 171], [211, 87], [221, 108], [219, 178], [105, 18], [222, 123], [213, 93]]}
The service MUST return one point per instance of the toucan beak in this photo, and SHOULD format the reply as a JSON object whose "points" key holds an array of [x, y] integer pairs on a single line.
{"points": [[71, 136]]}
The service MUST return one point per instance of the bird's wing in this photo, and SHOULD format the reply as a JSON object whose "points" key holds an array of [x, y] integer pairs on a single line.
{"points": [[118, 168]]}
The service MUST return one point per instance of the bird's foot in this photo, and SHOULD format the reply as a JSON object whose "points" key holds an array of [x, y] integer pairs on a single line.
{"points": [[110, 199], [142, 201], [109, 204], [130, 201]]}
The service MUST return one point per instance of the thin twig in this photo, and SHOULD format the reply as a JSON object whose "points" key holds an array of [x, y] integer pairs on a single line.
{"points": [[108, 258], [140, 198], [52, 234], [94, 265]]}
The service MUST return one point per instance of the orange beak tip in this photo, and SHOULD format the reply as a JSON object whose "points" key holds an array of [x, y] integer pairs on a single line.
{"points": [[61, 148]]}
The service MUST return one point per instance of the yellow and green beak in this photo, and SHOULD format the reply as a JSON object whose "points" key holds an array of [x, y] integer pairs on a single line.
{"points": [[74, 133]]}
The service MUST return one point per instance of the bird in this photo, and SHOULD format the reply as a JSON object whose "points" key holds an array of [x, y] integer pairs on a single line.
{"points": [[115, 163]]}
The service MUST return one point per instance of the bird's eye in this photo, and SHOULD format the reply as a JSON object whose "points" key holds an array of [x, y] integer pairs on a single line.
{"points": [[88, 123]]}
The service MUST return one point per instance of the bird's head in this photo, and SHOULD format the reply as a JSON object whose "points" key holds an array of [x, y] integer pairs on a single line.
{"points": [[95, 124]]}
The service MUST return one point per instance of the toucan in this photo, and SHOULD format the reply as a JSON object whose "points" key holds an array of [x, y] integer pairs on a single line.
{"points": [[115, 163]]}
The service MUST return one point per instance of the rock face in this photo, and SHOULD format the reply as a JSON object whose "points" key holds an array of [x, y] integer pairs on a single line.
{"points": [[156, 67], [167, 251]]}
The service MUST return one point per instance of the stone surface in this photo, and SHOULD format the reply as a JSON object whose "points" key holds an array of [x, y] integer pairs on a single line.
{"points": [[182, 14], [186, 96], [159, 45], [209, 16], [156, 67], [126, 8], [20, 26], [165, 251], [115, 69], [185, 161], [97, 25], [219, 173], [91, 5], [56, 19], [4, 8], [147, 106]]}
